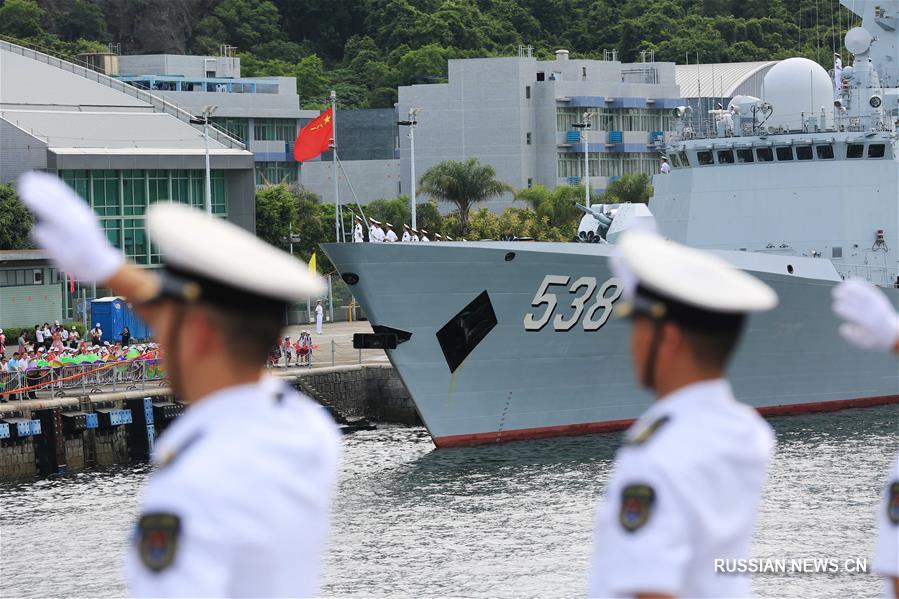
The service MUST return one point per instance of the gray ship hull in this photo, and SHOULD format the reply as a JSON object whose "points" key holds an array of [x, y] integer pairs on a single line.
{"points": [[534, 369]]}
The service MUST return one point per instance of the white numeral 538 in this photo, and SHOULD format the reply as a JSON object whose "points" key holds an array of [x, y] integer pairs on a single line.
{"points": [[594, 316]]}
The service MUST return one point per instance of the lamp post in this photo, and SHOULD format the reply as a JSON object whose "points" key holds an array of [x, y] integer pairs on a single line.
{"points": [[583, 127], [413, 114], [208, 111]]}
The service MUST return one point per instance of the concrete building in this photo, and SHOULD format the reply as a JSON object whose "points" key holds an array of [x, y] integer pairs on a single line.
{"points": [[517, 114], [120, 148], [31, 291], [368, 148], [262, 112]]}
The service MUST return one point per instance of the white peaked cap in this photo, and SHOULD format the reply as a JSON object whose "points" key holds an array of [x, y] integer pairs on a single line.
{"points": [[195, 242], [692, 276]]}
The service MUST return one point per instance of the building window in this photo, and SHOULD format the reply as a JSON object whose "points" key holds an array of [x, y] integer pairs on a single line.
{"points": [[19, 277], [120, 200], [134, 193], [275, 173], [527, 92], [541, 76], [530, 183], [855, 151], [105, 193], [274, 129], [238, 128], [527, 138]]}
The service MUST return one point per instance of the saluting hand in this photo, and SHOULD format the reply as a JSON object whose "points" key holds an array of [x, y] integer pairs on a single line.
{"points": [[67, 228], [871, 320]]}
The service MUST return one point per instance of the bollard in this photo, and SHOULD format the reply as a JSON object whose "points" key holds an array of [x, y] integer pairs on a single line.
{"points": [[333, 352]]}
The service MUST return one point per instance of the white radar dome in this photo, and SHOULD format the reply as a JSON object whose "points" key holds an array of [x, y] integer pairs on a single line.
{"points": [[858, 40], [794, 87]]}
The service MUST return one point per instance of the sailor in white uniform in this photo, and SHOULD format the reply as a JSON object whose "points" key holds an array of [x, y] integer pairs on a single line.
{"points": [[665, 168], [358, 235], [414, 235], [424, 236], [407, 237], [375, 232], [389, 236], [687, 483], [238, 502], [872, 323]]}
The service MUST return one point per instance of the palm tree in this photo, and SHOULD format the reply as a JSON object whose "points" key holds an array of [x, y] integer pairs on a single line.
{"points": [[463, 184]]}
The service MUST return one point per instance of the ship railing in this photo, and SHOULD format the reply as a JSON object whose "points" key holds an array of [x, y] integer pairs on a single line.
{"points": [[70, 64]]}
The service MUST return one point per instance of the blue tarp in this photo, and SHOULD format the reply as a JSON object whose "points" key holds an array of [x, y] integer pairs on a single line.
{"points": [[114, 314]]}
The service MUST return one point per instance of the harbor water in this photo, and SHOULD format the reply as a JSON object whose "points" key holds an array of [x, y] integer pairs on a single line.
{"points": [[513, 520]]}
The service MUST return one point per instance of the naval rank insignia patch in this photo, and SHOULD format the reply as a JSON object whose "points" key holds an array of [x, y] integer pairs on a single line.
{"points": [[158, 539], [636, 506], [893, 503]]}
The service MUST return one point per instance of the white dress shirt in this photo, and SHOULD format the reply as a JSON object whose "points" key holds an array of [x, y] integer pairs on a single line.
{"points": [[238, 504], [684, 492]]}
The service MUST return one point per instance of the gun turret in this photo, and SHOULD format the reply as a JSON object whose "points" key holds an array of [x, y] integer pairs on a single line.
{"points": [[603, 219]]}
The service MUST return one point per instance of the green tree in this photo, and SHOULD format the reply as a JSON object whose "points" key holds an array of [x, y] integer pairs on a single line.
{"points": [[556, 206], [21, 18], [244, 23], [84, 21], [276, 209], [15, 221], [284, 209], [631, 187], [462, 184]]}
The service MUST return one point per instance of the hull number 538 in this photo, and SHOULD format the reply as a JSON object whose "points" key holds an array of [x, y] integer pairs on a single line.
{"points": [[592, 315]]}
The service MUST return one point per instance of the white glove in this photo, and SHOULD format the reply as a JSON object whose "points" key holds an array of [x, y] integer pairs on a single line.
{"points": [[67, 228], [871, 320]]}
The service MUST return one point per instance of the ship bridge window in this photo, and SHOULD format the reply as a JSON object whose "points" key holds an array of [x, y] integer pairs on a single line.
{"points": [[704, 157], [764, 154], [824, 152], [855, 151], [784, 153], [876, 151], [744, 155], [725, 156], [683, 159], [803, 152], [675, 161]]}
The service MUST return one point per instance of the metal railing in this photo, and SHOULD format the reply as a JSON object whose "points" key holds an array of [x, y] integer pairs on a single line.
{"points": [[158, 104], [82, 379]]}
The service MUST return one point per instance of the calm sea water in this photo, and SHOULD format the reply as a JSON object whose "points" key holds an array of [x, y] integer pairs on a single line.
{"points": [[513, 520]]}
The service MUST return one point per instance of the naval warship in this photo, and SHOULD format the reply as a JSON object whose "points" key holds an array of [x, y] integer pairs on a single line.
{"points": [[506, 340]]}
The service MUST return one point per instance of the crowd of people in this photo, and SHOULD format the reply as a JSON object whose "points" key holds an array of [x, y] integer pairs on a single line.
{"points": [[385, 234], [299, 351], [30, 363]]}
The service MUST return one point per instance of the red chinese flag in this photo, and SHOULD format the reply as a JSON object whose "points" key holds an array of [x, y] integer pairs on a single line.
{"points": [[314, 138]]}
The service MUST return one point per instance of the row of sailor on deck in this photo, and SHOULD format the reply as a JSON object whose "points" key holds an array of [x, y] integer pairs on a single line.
{"points": [[378, 233]]}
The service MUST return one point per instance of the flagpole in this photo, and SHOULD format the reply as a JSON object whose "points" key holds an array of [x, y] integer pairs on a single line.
{"points": [[334, 167]]}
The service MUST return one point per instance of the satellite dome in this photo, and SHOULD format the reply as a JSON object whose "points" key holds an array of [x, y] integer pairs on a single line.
{"points": [[795, 86]]}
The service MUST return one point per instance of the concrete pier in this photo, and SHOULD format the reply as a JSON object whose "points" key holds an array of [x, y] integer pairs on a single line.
{"points": [[61, 434]]}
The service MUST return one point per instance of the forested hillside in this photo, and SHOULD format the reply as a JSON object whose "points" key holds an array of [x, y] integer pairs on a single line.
{"points": [[366, 48]]}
